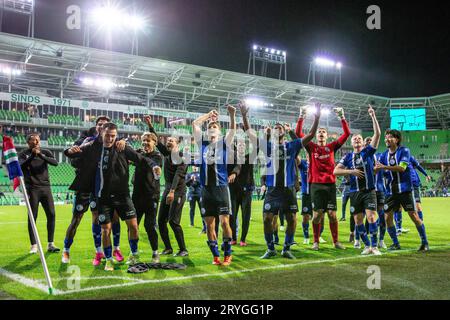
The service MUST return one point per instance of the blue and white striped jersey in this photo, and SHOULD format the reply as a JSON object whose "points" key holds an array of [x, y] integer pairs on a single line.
{"points": [[213, 167], [280, 162], [397, 182], [362, 161]]}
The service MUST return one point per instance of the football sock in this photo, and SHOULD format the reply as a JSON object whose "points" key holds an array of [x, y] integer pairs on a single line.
{"points": [[97, 234], [322, 227], [363, 234], [108, 252], [67, 244], [275, 237], [227, 247], [288, 239], [422, 234], [373, 230], [382, 223], [214, 248], [269, 241], [334, 231], [316, 232], [134, 245], [116, 234], [305, 227], [420, 213], [393, 234]]}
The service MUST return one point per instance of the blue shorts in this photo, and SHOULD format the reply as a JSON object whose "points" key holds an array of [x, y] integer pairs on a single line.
{"points": [[280, 199]]}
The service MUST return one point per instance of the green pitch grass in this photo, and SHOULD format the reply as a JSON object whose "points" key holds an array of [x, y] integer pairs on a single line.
{"points": [[327, 274]]}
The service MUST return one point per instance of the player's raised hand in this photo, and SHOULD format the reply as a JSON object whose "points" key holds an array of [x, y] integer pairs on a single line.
{"points": [[243, 108], [148, 121], [303, 112], [339, 112], [231, 109], [371, 111], [213, 115]]}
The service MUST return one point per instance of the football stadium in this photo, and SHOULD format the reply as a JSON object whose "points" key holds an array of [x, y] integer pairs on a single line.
{"points": [[62, 103]]}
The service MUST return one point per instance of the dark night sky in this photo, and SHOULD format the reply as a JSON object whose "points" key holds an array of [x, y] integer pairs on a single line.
{"points": [[409, 56]]}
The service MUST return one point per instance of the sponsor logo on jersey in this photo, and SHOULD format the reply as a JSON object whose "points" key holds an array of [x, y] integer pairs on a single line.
{"points": [[101, 218], [93, 204], [352, 209], [392, 162]]}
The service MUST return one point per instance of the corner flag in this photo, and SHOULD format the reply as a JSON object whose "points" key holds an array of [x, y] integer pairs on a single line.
{"points": [[12, 162], [16, 174]]}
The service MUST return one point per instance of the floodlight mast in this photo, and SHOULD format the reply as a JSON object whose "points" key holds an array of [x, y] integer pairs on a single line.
{"points": [[320, 67], [24, 7], [111, 17], [267, 56]]}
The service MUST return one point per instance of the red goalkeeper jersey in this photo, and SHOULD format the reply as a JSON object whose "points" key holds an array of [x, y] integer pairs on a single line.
{"points": [[321, 158]]}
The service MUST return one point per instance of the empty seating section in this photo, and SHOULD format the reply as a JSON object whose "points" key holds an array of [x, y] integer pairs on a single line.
{"points": [[21, 116], [60, 141], [427, 144]]}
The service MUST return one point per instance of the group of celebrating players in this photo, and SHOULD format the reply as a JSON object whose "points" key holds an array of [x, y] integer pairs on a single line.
{"points": [[379, 185]]}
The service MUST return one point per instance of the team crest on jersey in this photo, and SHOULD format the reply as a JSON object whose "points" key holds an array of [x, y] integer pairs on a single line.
{"points": [[392, 162], [305, 209], [352, 209], [203, 210], [327, 149], [386, 207], [101, 218], [93, 204], [267, 206], [79, 207], [358, 161]]}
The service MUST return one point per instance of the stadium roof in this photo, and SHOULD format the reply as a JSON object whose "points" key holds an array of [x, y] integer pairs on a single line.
{"points": [[52, 67]]}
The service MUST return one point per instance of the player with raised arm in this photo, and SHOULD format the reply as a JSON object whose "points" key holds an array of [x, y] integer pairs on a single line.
{"points": [[321, 177], [359, 166], [280, 179], [216, 199], [174, 195], [146, 190], [399, 189], [85, 198], [380, 190], [112, 188]]}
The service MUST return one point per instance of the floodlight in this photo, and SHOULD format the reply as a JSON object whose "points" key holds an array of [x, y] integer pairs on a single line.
{"points": [[324, 62], [272, 51], [255, 47], [136, 22], [339, 65], [278, 52], [255, 102], [267, 50], [284, 53]]}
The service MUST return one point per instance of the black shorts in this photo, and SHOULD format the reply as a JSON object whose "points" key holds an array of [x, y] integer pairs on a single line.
{"points": [[82, 201], [417, 195], [405, 199], [121, 204], [323, 196], [280, 199], [306, 204], [360, 201], [215, 201], [380, 200]]}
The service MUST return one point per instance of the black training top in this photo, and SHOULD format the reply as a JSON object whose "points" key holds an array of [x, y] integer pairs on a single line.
{"points": [[35, 167]]}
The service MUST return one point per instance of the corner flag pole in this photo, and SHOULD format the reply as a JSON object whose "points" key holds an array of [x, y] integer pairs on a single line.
{"points": [[36, 236]]}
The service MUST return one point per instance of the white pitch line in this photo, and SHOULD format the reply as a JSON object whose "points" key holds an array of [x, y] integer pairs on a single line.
{"points": [[205, 275], [37, 285], [26, 281]]}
